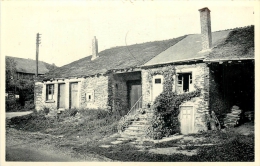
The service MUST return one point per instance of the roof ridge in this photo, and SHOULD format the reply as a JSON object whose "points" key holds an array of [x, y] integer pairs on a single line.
{"points": [[185, 36]]}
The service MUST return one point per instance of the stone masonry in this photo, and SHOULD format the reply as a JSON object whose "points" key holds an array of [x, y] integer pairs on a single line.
{"points": [[200, 80]]}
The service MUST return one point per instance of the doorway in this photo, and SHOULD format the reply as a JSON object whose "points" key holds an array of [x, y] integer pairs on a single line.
{"points": [[74, 95], [186, 119], [134, 92], [61, 96]]}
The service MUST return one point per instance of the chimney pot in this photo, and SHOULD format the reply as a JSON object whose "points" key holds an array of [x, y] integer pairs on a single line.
{"points": [[205, 23], [94, 48]]}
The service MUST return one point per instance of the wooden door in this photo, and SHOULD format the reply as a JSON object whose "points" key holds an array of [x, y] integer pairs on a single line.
{"points": [[186, 119], [74, 95], [61, 96], [135, 94]]}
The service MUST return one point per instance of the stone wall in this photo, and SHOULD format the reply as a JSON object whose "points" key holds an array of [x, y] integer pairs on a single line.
{"points": [[94, 92], [120, 100], [40, 93], [38, 96], [200, 74], [119, 96], [200, 77]]}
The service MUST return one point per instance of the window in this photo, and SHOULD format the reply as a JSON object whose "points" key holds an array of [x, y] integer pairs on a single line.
{"points": [[90, 96], [49, 91], [158, 81], [184, 82]]}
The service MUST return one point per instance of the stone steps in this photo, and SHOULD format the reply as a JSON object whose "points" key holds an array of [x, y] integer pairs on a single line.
{"points": [[137, 128], [140, 127]]}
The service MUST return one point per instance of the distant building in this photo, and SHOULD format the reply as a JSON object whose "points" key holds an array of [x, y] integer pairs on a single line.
{"points": [[25, 68]]}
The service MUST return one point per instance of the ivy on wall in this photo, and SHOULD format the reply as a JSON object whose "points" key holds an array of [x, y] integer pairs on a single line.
{"points": [[167, 72], [166, 106]]}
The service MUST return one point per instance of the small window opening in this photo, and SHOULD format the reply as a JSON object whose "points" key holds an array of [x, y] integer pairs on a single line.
{"points": [[158, 81], [116, 86], [49, 91], [184, 81], [89, 97]]}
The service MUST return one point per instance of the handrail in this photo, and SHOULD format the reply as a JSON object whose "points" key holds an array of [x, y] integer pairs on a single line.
{"points": [[130, 113], [137, 103]]}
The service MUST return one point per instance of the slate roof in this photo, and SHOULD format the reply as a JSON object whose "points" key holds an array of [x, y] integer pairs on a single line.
{"points": [[226, 45], [123, 57], [28, 65], [187, 49]]}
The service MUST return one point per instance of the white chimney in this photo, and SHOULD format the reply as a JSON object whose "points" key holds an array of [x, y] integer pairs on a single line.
{"points": [[205, 23], [94, 48]]}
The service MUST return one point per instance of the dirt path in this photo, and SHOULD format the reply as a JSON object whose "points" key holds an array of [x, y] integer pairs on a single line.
{"points": [[32, 154], [9, 115], [28, 146]]}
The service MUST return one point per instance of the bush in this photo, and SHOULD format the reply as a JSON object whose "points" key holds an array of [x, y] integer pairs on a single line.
{"points": [[12, 105], [68, 113], [166, 108], [29, 105]]}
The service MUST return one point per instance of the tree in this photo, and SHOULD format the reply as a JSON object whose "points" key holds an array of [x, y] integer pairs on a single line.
{"points": [[23, 87], [10, 70]]}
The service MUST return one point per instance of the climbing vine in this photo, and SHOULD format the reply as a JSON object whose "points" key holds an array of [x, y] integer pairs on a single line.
{"points": [[166, 106], [167, 72]]}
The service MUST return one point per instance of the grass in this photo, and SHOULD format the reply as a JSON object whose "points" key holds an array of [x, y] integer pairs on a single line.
{"points": [[89, 123], [84, 133]]}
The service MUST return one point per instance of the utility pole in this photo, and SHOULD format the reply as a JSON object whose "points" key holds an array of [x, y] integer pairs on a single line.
{"points": [[38, 42]]}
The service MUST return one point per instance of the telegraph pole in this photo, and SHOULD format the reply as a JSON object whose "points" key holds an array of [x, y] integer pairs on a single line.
{"points": [[38, 42]]}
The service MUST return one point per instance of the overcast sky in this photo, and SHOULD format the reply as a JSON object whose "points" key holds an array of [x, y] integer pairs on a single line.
{"points": [[67, 28]]}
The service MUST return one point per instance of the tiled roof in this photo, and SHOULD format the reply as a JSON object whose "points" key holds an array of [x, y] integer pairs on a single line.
{"points": [[122, 57], [28, 65]]}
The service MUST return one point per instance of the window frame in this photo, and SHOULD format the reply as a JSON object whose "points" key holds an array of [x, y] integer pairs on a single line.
{"points": [[51, 92], [92, 96], [180, 82]]}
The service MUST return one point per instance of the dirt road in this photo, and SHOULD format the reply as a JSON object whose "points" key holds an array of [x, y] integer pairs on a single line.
{"points": [[29, 146], [9, 115]]}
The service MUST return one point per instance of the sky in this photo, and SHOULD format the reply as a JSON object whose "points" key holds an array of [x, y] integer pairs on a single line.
{"points": [[68, 27]]}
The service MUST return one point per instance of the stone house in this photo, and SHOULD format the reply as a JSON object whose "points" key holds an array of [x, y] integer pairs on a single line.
{"points": [[125, 78]]}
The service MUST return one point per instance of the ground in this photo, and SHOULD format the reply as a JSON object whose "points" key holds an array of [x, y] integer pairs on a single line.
{"points": [[46, 145]]}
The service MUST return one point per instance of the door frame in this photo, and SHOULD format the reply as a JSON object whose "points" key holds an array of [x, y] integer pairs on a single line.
{"points": [[58, 104], [71, 94], [192, 118], [129, 84]]}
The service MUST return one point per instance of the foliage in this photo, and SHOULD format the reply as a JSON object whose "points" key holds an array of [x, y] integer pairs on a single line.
{"points": [[23, 87], [10, 71], [166, 105], [167, 72], [12, 105], [83, 122], [232, 147], [166, 108]]}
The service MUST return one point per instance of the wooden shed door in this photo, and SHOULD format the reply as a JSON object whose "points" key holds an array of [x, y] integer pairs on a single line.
{"points": [[186, 119], [74, 95], [61, 96], [135, 94]]}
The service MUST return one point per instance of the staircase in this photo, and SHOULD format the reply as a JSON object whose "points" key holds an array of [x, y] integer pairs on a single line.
{"points": [[134, 124]]}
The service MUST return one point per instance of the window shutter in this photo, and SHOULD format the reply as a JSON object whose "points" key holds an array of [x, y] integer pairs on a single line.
{"points": [[180, 84], [174, 83]]}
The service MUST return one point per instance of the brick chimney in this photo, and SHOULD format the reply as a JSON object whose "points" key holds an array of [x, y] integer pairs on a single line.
{"points": [[94, 48], [205, 28]]}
